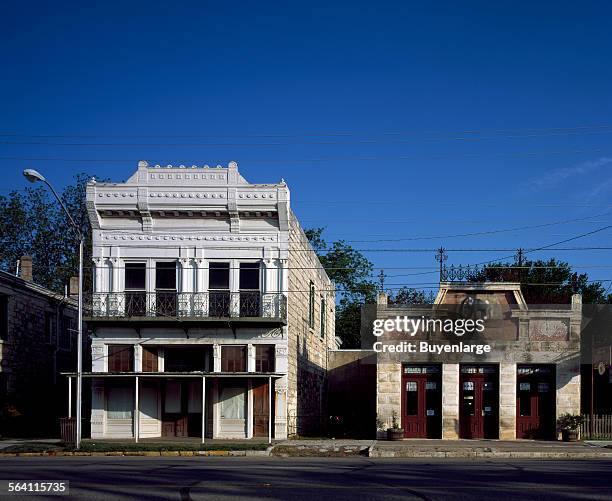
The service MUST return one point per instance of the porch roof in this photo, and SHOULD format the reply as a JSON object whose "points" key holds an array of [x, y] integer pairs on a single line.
{"points": [[197, 374]]}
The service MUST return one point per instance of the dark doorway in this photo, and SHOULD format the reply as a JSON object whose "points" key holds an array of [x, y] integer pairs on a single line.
{"points": [[535, 401], [182, 408], [422, 401], [479, 401]]}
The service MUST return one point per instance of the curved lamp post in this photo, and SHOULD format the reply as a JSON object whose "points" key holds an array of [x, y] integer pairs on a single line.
{"points": [[34, 176]]}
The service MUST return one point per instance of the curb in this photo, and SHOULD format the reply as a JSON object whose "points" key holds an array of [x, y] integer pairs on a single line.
{"points": [[179, 453], [373, 452]]}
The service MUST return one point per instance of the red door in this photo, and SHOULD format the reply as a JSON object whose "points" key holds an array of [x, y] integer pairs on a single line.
{"points": [[260, 409], [535, 401], [479, 401], [422, 401]]}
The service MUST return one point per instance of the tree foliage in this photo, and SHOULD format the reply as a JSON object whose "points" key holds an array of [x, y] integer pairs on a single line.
{"points": [[32, 223], [352, 272], [545, 281]]}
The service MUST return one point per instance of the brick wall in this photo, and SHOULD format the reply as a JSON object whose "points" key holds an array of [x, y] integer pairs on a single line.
{"points": [[307, 357]]}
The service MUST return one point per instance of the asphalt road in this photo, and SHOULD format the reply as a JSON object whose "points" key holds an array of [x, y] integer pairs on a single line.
{"points": [[314, 479]]}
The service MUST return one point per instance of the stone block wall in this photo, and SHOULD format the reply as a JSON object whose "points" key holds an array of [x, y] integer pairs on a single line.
{"points": [[307, 347], [388, 395], [33, 394]]}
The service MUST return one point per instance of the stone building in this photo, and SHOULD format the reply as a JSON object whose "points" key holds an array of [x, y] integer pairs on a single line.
{"points": [[517, 390], [210, 315], [37, 341]]}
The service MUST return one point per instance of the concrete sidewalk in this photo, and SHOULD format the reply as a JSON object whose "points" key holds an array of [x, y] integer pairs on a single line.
{"points": [[414, 448]]}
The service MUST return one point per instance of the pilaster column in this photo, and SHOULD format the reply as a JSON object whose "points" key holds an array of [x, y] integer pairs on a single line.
{"points": [[216, 358], [98, 264], [137, 358], [250, 358], [450, 401], [507, 401]]}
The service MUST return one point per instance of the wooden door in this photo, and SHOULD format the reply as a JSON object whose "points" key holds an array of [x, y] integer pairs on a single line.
{"points": [[535, 401], [479, 402], [260, 409], [421, 402]]}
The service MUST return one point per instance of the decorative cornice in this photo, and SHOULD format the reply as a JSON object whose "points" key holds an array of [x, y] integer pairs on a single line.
{"points": [[208, 238]]}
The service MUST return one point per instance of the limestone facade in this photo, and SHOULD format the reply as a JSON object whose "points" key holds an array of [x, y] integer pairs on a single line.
{"points": [[546, 336]]}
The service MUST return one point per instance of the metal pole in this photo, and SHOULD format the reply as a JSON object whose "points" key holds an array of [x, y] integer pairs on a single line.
{"points": [[136, 411], [69, 397], [80, 350], [269, 409], [203, 408]]}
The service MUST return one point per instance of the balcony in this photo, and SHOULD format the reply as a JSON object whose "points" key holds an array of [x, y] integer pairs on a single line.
{"points": [[186, 306]]}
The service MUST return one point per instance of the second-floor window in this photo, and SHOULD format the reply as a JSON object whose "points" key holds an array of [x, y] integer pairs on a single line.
{"points": [[120, 358], [311, 305], [66, 333], [233, 359], [249, 290], [218, 285], [50, 327], [323, 315], [165, 288], [3, 317], [135, 289]]}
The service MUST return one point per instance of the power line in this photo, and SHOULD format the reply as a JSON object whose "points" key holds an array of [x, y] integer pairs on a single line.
{"points": [[478, 233], [314, 143], [323, 159], [345, 133]]}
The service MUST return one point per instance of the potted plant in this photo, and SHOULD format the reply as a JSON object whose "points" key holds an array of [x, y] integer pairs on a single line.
{"points": [[569, 424], [395, 432]]}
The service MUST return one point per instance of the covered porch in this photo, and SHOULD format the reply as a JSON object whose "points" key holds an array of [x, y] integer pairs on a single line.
{"points": [[177, 406]]}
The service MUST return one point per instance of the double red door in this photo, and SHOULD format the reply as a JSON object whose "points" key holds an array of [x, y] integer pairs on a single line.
{"points": [[535, 401], [422, 401], [479, 401]]}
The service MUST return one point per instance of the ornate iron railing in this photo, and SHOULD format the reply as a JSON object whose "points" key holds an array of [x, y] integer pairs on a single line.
{"points": [[165, 304]]}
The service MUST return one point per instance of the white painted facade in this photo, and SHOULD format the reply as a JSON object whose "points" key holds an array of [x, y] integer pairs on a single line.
{"points": [[193, 217]]}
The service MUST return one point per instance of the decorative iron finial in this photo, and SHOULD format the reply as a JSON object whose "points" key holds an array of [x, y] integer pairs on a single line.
{"points": [[381, 280], [441, 256]]}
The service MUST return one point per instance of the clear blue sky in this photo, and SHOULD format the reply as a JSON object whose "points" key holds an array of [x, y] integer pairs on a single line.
{"points": [[387, 119]]}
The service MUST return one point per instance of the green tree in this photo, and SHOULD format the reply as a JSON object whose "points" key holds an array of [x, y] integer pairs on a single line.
{"points": [[352, 271], [32, 223], [545, 281]]}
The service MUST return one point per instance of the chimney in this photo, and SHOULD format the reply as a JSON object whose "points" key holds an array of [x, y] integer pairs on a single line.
{"points": [[73, 287], [25, 268]]}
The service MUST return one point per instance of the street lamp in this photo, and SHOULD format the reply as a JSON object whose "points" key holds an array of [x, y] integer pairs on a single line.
{"points": [[33, 176]]}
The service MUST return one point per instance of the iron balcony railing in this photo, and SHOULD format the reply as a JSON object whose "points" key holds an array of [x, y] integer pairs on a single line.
{"points": [[211, 304]]}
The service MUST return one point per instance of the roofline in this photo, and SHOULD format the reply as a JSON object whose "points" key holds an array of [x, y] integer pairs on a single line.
{"points": [[34, 287]]}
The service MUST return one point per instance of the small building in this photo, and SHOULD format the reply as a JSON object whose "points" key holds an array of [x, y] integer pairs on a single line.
{"points": [[517, 390], [211, 315], [37, 341]]}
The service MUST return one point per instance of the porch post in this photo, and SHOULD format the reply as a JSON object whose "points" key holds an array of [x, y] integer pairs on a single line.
{"points": [[203, 408], [269, 409], [69, 397], [136, 412]]}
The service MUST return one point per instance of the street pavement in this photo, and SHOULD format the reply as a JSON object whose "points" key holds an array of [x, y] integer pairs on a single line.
{"points": [[361, 478]]}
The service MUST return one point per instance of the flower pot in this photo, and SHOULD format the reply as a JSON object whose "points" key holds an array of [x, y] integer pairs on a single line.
{"points": [[569, 435], [395, 434]]}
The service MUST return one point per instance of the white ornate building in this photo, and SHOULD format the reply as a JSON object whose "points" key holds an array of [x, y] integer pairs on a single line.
{"points": [[211, 315]]}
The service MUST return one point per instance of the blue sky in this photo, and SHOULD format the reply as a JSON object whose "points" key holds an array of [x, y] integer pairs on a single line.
{"points": [[389, 120]]}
